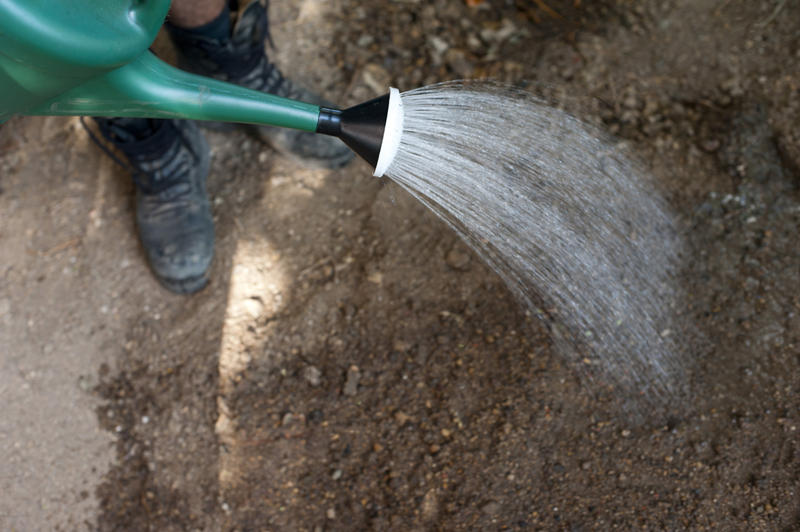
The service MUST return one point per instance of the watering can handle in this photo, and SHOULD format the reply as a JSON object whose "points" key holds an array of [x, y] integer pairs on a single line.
{"points": [[50, 46], [149, 88]]}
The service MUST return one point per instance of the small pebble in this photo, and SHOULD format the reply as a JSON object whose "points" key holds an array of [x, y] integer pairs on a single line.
{"points": [[401, 346], [402, 418], [430, 506], [253, 306], [458, 259], [312, 375], [491, 508], [351, 382]]}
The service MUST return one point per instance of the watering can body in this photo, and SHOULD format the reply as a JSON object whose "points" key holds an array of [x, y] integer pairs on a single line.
{"points": [[49, 47], [91, 57]]}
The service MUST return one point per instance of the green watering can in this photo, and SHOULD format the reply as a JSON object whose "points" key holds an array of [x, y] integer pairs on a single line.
{"points": [[91, 58]]}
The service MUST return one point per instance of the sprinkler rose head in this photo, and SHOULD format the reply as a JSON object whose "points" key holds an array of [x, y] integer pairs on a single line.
{"points": [[371, 129]]}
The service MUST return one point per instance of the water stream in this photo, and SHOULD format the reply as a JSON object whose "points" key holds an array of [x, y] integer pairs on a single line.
{"points": [[574, 227]]}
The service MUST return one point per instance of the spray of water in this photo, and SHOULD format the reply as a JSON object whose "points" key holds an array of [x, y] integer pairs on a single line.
{"points": [[575, 229]]}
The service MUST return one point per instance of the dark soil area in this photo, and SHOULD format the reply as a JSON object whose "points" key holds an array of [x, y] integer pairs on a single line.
{"points": [[353, 366]]}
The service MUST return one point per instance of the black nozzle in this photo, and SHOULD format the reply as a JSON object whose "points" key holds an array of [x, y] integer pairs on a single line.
{"points": [[360, 127]]}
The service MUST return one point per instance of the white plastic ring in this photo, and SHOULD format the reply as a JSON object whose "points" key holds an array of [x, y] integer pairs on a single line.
{"points": [[392, 132]]}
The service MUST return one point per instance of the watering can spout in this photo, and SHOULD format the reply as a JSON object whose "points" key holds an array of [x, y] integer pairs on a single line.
{"points": [[149, 88], [372, 129]]}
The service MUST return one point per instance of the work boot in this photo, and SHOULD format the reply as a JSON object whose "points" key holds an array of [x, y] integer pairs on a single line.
{"points": [[169, 160], [241, 59]]}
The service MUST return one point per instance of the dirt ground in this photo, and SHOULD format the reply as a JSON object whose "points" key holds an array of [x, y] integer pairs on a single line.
{"points": [[353, 366]]}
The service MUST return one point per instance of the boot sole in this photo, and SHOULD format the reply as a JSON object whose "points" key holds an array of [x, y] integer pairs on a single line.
{"points": [[185, 286]]}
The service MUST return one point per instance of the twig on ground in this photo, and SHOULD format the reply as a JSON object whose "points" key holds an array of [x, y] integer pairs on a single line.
{"points": [[62, 246], [774, 15], [547, 9]]}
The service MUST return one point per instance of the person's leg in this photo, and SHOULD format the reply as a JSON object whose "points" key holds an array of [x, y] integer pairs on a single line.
{"points": [[237, 55], [195, 13], [169, 160]]}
